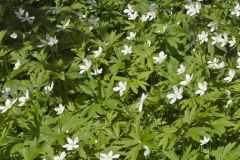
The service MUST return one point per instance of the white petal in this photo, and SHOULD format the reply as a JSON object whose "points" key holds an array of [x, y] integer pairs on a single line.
{"points": [[116, 156]]}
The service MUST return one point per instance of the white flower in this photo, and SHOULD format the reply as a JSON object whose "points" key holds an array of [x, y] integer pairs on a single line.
{"points": [[215, 64], [147, 151], [181, 69], [131, 36], [122, 86], [97, 72], [98, 52], [126, 50], [204, 141], [50, 41], [187, 81], [144, 18], [176, 94], [140, 104], [129, 10], [24, 16], [20, 13], [64, 25], [17, 64], [231, 74], [132, 16], [217, 39], [8, 105], [236, 10], [229, 102], [151, 15], [86, 66], [81, 16], [72, 144], [23, 99], [232, 42], [59, 109], [109, 156], [160, 58], [213, 26], [238, 63], [224, 40], [149, 43], [162, 29], [202, 88], [49, 88], [14, 35], [6, 91], [193, 8], [54, 10], [60, 157], [203, 37], [228, 92]]}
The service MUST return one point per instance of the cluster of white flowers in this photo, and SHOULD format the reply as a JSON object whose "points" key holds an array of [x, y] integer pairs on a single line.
{"points": [[9, 103], [88, 63], [24, 16], [223, 39], [176, 94]]}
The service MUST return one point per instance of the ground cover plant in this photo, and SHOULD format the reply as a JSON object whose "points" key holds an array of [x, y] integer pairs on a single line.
{"points": [[112, 79]]}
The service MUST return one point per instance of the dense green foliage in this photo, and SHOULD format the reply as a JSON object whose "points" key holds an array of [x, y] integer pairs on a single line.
{"points": [[144, 79]]}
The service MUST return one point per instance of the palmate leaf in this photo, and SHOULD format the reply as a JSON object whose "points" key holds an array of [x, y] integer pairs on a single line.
{"points": [[2, 33], [196, 133], [171, 155], [220, 125], [190, 154], [228, 152]]}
